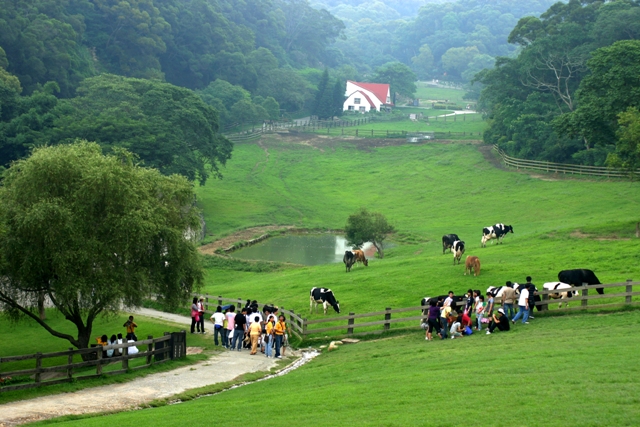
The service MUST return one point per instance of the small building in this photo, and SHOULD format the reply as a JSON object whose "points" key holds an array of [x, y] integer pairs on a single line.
{"points": [[365, 97]]}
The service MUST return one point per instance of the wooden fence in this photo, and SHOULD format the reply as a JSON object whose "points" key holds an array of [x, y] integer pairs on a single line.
{"points": [[172, 345], [561, 167], [383, 320]]}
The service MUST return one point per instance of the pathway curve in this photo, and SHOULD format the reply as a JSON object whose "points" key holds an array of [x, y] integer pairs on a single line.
{"points": [[222, 367]]}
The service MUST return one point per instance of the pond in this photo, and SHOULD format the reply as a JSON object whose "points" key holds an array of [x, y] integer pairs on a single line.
{"points": [[315, 249]]}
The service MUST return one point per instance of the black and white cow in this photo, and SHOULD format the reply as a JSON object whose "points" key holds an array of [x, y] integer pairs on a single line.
{"points": [[349, 259], [325, 297], [458, 249], [563, 292], [497, 232], [497, 291], [447, 241], [579, 276]]}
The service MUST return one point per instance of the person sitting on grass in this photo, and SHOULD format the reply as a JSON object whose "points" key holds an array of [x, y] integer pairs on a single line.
{"points": [[112, 341], [103, 341], [456, 327], [501, 321]]}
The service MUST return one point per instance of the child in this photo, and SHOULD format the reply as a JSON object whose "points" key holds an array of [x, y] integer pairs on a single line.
{"points": [[456, 329], [479, 312]]}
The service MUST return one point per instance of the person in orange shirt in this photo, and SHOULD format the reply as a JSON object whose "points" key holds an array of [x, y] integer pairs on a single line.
{"points": [[255, 330], [280, 329]]}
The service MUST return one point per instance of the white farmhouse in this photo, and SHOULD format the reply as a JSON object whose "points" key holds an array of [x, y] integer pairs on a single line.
{"points": [[364, 97]]}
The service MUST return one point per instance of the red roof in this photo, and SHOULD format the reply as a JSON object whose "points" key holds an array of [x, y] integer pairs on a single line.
{"points": [[371, 104], [380, 90]]}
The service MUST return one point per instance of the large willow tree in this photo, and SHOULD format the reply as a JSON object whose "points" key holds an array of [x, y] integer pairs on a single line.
{"points": [[93, 234]]}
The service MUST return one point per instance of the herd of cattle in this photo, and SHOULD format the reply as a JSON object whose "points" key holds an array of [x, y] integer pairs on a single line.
{"points": [[567, 279]]}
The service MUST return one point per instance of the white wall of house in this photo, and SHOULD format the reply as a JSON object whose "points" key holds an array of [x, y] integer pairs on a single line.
{"points": [[353, 95]]}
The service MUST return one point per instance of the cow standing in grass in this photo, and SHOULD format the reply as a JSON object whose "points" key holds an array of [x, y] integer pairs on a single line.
{"points": [[497, 232], [447, 241], [349, 259], [325, 297], [563, 292], [360, 257], [458, 249], [578, 277]]}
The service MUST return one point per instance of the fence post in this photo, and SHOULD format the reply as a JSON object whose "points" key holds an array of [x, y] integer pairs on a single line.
{"points": [[125, 358], [70, 363], [304, 327], [291, 318], [629, 289], [545, 298], [38, 366], [356, 132], [239, 304], [387, 317], [350, 324], [206, 302], [220, 300], [99, 359], [149, 350], [585, 293]]}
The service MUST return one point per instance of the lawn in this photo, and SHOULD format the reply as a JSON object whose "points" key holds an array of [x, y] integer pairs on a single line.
{"points": [[425, 191], [26, 337], [427, 93], [571, 370]]}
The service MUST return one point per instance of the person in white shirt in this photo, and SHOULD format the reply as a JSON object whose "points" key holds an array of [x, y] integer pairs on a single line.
{"points": [[523, 305], [218, 320]]}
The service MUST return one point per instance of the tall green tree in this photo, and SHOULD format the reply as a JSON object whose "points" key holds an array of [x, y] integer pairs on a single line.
{"points": [[627, 153], [94, 234], [399, 77], [338, 98], [168, 127], [364, 226]]}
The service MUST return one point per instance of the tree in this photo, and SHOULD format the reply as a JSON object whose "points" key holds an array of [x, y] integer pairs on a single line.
{"points": [[365, 226], [400, 78], [322, 105], [168, 127], [423, 62], [94, 233], [627, 154], [338, 98]]}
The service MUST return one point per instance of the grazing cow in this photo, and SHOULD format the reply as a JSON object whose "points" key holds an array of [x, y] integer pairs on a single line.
{"points": [[472, 263], [447, 241], [349, 259], [496, 291], [458, 249], [360, 257], [578, 277], [497, 232], [563, 292], [325, 297]]}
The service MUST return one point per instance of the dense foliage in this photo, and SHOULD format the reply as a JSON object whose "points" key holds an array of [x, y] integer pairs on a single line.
{"points": [[92, 234], [561, 97], [364, 226]]}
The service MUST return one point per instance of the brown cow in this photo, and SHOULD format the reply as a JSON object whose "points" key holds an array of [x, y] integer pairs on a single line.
{"points": [[360, 257], [472, 262]]}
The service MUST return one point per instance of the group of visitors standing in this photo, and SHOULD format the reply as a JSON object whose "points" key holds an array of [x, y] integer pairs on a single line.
{"points": [[447, 322], [250, 328]]}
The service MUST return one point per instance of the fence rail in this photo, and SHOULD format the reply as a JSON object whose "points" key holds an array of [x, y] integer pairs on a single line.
{"points": [[305, 328], [560, 167], [158, 350]]}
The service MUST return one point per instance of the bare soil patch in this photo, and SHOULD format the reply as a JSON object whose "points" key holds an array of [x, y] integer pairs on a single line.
{"points": [[580, 235], [246, 234]]}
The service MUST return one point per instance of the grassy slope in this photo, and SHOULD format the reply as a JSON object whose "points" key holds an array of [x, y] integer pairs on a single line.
{"points": [[425, 191], [27, 337], [468, 123], [426, 93], [554, 372]]}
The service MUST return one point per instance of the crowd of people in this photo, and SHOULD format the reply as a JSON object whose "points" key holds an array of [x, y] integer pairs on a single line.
{"points": [[496, 316], [250, 328], [130, 327]]}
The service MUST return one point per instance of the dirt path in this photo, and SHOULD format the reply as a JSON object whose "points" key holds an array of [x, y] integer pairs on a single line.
{"points": [[246, 234], [117, 397]]}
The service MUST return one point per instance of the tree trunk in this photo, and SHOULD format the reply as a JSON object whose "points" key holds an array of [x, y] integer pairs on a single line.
{"points": [[43, 314], [84, 338], [378, 246]]}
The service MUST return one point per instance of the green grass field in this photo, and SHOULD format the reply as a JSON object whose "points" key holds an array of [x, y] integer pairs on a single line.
{"points": [[576, 370], [426, 93], [26, 337], [560, 370]]}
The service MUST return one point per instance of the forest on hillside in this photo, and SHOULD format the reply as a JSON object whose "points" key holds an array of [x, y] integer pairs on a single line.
{"points": [[103, 70]]}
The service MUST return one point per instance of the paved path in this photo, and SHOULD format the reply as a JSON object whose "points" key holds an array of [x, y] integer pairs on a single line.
{"points": [[117, 397]]}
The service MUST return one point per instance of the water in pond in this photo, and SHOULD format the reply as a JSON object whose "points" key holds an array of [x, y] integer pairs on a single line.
{"points": [[301, 249]]}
